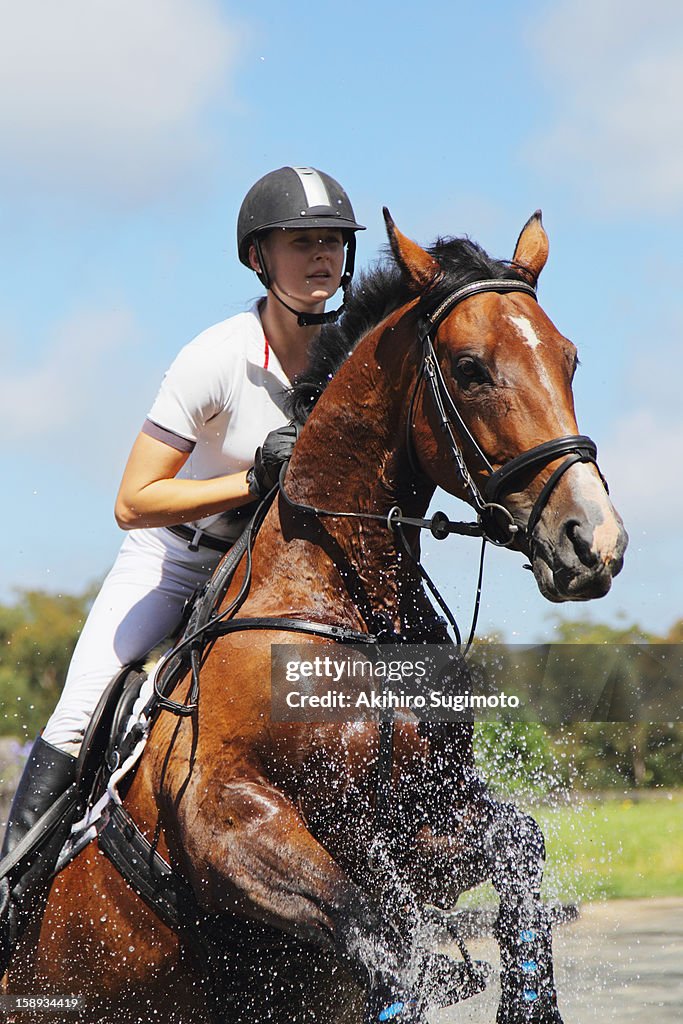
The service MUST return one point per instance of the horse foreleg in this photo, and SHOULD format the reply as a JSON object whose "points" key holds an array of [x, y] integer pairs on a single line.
{"points": [[515, 850], [248, 852], [486, 840]]}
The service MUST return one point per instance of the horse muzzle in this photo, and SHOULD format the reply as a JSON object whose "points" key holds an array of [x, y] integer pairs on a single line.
{"points": [[575, 556]]}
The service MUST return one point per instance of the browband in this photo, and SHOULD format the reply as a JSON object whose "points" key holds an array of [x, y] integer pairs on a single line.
{"points": [[430, 321]]}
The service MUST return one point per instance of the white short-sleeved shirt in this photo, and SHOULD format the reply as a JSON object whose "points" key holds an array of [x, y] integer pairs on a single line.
{"points": [[220, 397]]}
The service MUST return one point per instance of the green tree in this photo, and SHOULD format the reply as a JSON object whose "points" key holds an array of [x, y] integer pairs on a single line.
{"points": [[518, 759], [37, 638], [621, 754], [604, 671]]}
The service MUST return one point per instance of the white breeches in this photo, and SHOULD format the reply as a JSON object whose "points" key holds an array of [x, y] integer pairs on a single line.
{"points": [[141, 602]]}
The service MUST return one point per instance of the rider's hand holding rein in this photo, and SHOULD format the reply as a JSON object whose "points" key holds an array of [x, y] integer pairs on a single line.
{"points": [[150, 457], [269, 459]]}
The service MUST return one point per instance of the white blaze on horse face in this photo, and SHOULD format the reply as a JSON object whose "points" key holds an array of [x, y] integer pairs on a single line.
{"points": [[527, 331], [586, 487]]}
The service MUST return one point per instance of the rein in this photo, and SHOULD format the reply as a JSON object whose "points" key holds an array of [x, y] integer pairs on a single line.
{"points": [[440, 527]]}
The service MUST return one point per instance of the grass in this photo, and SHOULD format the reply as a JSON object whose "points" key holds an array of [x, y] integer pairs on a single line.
{"points": [[615, 848], [609, 848]]}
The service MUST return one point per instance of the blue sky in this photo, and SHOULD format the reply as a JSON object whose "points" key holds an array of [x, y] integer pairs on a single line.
{"points": [[131, 130]]}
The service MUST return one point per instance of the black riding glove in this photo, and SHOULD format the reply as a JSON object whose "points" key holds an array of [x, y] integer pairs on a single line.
{"points": [[269, 459]]}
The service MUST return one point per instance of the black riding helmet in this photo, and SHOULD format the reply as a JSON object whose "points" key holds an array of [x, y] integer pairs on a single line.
{"points": [[296, 197]]}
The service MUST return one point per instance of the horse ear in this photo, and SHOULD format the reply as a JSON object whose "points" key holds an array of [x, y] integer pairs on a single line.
{"points": [[417, 265], [531, 251]]}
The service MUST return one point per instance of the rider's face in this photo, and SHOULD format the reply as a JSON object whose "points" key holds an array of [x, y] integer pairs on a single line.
{"points": [[305, 265]]}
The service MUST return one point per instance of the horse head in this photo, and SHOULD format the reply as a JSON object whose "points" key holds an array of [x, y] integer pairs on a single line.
{"points": [[503, 404]]}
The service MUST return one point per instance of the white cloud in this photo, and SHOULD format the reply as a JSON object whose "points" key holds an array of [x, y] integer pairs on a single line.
{"points": [[641, 454], [110, 96], [641, 458], [80, 397], [614, 69]]}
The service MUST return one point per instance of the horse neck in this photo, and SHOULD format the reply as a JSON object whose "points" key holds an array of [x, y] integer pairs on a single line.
{"points": [[352, 456]]}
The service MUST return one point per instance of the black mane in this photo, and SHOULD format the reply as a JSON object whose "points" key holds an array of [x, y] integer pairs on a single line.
{"points": [[373, 296]]}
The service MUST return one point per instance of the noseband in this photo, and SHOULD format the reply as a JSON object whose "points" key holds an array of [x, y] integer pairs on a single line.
{"points": [[490, 510]]}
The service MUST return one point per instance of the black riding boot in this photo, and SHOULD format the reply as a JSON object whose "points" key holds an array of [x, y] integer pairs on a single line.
{"points": [[526, 966], [49, 774]]}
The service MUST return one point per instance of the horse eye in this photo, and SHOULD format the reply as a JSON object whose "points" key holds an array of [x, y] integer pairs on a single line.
{"points": [[470, 371]]}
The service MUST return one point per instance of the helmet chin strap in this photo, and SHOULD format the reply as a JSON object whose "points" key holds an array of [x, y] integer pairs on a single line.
{"points": [[308, 319]]}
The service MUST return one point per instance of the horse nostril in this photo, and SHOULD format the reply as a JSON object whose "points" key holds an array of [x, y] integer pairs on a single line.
{"points": [[581, 536]]}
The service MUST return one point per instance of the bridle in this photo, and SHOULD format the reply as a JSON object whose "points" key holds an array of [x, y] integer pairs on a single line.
{"points": [[576, 447]]}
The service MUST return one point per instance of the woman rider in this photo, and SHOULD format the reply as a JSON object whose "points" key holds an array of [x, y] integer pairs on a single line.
{"points": [[192, 467]]}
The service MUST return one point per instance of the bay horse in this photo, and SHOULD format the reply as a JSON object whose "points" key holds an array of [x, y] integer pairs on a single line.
{"points": [[444, 372]]}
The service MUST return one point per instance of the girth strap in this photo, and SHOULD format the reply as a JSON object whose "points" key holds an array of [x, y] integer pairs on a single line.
{"points": [[165, 892], [145, 870]]}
